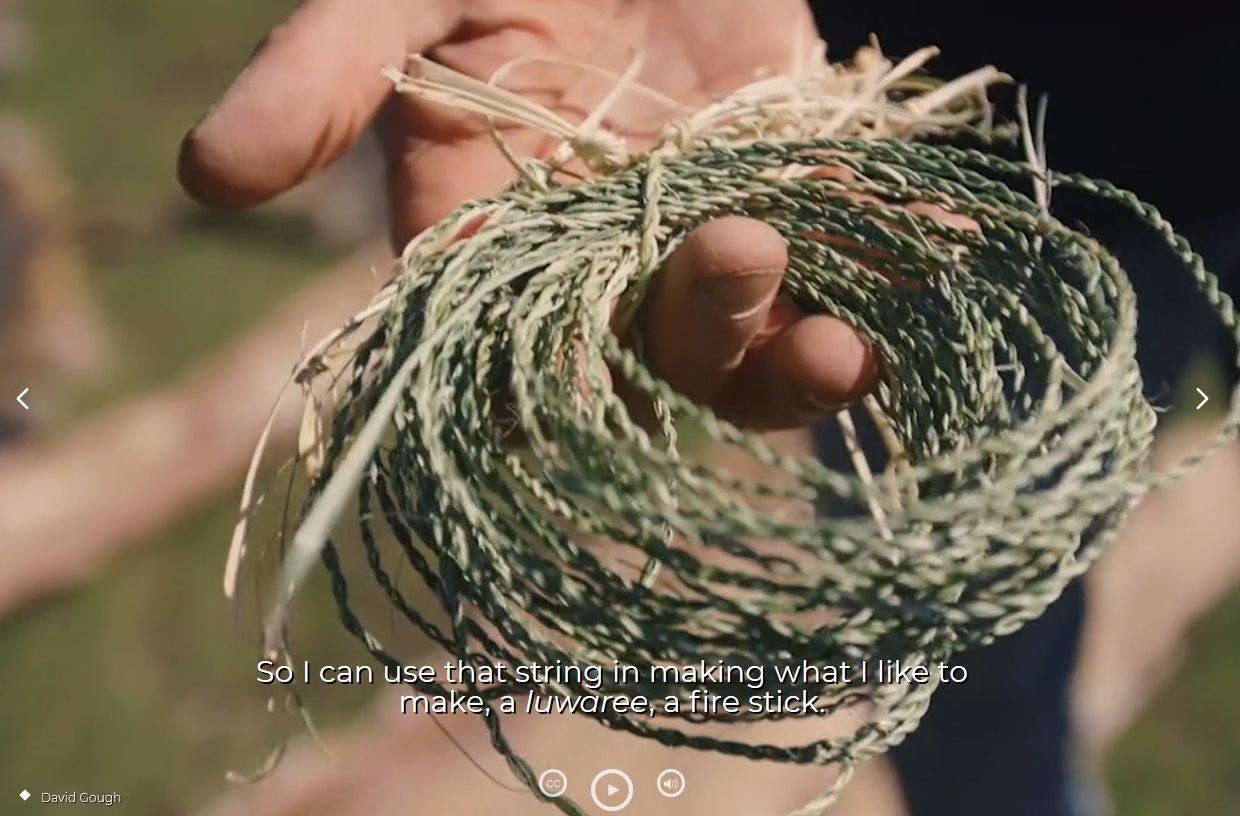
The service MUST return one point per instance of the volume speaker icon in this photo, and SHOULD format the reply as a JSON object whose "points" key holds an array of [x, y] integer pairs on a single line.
{"points": [[671, 783]]}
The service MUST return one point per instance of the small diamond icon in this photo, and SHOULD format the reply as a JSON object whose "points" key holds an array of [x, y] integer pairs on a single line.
{"points": [[24, 795]]}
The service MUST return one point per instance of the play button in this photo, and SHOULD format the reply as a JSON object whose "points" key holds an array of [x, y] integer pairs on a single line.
{"points": [[612, 790]]}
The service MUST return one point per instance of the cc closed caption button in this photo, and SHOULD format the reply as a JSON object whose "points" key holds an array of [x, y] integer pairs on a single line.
{"points": [[671, 783], [552, 783]]}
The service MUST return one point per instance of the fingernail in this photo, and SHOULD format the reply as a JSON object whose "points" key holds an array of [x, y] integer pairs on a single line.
{"points": [[822, 407], [741, 296]]}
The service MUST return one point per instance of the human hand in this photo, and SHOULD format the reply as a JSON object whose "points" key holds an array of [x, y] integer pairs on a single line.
{"points": [[715, 324]]}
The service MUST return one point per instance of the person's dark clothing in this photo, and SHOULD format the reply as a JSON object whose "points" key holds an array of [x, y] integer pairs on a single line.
{"points": [[1141, 95]]}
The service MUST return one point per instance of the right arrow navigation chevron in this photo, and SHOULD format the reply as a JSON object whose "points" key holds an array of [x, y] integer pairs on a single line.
{"points": [[1204, 399]]}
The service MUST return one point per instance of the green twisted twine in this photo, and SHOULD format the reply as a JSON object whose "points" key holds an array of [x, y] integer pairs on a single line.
{"points": [[1010, 395]]}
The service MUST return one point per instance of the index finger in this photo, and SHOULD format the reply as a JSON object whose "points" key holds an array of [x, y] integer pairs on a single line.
{"points": [[305, 97]]}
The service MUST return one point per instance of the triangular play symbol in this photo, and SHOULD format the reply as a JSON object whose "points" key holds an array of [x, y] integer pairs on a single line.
{"points": [[612, 790]]}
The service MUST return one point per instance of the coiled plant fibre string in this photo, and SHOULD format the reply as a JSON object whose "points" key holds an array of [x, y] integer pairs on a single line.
{"points": [[1010, 401]]}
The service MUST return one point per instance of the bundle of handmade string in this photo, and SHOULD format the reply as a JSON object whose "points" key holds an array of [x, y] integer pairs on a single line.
{"points": [[1010, 406]]}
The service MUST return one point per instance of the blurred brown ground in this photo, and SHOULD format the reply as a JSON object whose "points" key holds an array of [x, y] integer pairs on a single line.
{"points": [[49, 332]]}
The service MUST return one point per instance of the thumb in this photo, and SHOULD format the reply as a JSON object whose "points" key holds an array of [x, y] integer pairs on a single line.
{"points": [[710, 301], [308, 93]]}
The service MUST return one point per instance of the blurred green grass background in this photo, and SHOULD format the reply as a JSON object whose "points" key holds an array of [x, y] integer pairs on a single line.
{"points": [[141, 682]]}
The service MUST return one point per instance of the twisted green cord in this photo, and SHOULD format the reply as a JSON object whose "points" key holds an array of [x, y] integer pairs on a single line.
{"points": [[1009, 382]]}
